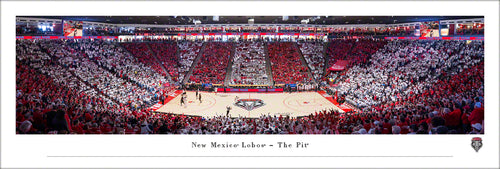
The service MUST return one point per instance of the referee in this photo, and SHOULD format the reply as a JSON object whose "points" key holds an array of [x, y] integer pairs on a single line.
{"points": [[182, 101]]}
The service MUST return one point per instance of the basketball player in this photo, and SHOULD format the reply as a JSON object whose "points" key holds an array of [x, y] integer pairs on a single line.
{"points": [[236, 98], [228, 109], [197, 90], [215, 90], [199, 97], [184, 95]]}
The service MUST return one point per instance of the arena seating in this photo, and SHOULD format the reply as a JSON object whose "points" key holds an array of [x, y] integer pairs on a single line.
{"points": [[90, 72], [249, 64], [364, 48], [401, 64], [44, 85], [469, 32], [356, 51], [121, 63], [313, 54], [166, 54], [213, 63], [37, 63], [409, 79], [404, 87], [339, 49], [286, 65], [146, 56], [188, 51]]}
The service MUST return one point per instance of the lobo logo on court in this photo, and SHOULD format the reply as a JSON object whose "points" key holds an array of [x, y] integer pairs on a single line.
{"points": [[477, 143], [249, 104]]}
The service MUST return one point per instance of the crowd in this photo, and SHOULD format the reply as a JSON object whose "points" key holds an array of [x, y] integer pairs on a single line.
{"points": [[286, 65], [453, 105], [308, 87], [249, 64], [111, 80], [407, 67], [119, 62], [43, 85], [363, 49], [167, 55], [313, 54], [97, 31], [145, 55], [31, 58], [188, 51], [396, 31], [339, 49], [45, 105], [469, 31], [418, 77], [213, 63], [356, 51], [53, 76]]}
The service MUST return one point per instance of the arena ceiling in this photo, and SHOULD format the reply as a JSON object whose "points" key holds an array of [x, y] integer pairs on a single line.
{"points": [[321, 20]]}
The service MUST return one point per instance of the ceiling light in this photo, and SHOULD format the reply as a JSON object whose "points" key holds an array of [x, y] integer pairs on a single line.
{"points": [[285, 18]]}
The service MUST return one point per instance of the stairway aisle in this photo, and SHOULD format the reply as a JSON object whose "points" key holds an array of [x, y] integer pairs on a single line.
{"points": [[229, 68], [169, 78], [268, 65], [327, 58], [195, 62], [304, 63]]}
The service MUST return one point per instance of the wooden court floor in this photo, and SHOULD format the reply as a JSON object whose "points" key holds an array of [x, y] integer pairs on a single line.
{"points": [[292, 104]]}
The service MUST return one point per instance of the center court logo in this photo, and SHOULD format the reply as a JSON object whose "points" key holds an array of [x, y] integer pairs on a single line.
{"points": [[249, 104]]}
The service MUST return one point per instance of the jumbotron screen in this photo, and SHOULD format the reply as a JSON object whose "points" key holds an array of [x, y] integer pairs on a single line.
{"points": [[429, 29], [73, 28]]}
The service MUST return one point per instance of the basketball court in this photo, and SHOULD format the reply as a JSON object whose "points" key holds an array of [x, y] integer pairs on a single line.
{"points": [[249, 105]]}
